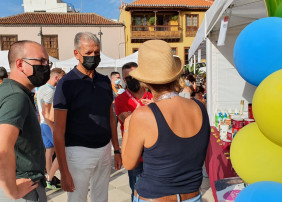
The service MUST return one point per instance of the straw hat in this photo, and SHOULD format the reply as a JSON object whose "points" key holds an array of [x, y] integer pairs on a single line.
{"points": [[156, 64]]}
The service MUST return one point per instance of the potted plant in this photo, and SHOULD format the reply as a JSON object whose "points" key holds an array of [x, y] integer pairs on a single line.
{"points": [[174, 18], [152, 20]]}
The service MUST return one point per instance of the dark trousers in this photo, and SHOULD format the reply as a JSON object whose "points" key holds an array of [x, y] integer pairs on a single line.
{"points": [[133, 177]]}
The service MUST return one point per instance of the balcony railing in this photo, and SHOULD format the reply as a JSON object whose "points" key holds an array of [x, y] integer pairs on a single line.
{"points": [[156, 32]]}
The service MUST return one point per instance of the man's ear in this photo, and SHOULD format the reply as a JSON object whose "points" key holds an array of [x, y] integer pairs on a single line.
{"points": [[19, 64], [57, 77], [75, 52]]}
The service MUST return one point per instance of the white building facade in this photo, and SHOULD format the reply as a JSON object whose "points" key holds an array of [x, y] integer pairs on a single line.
{"points": [[49, 6], [56, 31]]}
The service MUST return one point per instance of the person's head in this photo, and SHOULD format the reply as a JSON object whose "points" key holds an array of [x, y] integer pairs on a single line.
{"points": [[198, 94], [29, 63], [55, 76], [131, 83], [191, 79], [128, 67], [184, 79], [115, 78], [87, 50], [3, 74], [158, 68], [204, 84]]}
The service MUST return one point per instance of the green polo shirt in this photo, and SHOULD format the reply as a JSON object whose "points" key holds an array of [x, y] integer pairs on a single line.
{"points": [[17, 109]]}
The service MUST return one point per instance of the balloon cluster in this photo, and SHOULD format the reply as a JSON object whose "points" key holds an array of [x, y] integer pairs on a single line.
{"points": [[256, 150]]}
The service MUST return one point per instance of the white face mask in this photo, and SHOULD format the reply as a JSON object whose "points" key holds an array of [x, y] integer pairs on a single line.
{"points": [[117, 82]]}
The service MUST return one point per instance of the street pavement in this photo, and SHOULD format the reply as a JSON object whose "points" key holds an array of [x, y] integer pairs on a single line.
{"points": [[119, 190]]}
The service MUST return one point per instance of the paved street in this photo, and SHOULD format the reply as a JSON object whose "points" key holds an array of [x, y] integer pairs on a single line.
{"points": [[119, 190]]}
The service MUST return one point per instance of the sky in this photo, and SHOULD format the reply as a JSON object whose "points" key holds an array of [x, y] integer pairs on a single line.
{"points": [[106, 8]]}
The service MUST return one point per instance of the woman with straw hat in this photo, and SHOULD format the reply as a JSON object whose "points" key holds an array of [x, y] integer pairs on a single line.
{"points": [[172, 134]]}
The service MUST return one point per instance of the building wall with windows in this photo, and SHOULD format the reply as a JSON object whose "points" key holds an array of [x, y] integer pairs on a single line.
{"points": [[177, 25], [58, 38]]}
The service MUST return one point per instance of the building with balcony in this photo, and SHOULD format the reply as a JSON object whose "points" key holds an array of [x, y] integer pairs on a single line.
{"points": [[175, 21]]}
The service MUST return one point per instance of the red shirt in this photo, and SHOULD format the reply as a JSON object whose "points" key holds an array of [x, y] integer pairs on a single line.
{"points": [[125, 103]]}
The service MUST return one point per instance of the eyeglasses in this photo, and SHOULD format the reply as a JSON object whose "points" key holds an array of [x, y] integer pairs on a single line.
{"points": [[42, 61]]}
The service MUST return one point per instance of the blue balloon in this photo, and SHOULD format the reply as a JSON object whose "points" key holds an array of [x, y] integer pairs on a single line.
{"points": [[261, 192], [258, 50]]}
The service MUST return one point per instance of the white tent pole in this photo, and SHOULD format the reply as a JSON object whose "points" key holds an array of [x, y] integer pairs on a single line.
{"points": [[209, 81], [199, 55], [194, 64], [190, 64], [115, 65]]}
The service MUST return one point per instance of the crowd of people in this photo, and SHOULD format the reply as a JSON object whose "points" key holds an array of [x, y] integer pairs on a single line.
{"points": [[161, 113]]}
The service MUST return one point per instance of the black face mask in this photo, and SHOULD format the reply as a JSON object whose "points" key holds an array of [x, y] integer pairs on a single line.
{"points": [[91, 62], [132, 84], [40, 76]]}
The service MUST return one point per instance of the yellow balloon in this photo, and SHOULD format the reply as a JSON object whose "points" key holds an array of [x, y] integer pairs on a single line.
{"points": [[267, 107], [254, 157]]}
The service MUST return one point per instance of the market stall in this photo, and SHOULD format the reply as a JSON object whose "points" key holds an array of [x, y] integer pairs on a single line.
{"points": [[218, 164], [226, 89], [225, 86]]}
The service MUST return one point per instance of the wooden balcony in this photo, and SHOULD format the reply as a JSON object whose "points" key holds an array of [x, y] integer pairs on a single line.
{"points": [[165, 32]]}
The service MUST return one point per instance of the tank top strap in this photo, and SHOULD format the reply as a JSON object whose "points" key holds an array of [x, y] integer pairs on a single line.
{"points": [[161, 122], [203, 109], [199, 103]]}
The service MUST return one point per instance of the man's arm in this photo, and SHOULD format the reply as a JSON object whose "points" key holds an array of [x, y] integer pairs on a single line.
{"points": [[121, 109], [133, 137], [114, 139], [46, 110], [124, 115], [13, 188], [60, 118]]}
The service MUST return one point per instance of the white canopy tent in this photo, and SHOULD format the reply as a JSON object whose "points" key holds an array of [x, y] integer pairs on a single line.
{"points": [[130, 58], [225, 86], [4, 60], [67, 65]]}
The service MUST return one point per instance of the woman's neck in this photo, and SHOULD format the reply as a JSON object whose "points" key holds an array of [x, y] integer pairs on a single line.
{"points": [[157, 95]]}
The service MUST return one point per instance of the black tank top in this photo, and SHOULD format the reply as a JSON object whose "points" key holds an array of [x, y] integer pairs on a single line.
{"points": [[173, 165]]}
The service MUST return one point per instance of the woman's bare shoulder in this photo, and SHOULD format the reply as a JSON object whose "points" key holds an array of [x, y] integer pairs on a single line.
{"points": [[142, 113], [190, 105]]}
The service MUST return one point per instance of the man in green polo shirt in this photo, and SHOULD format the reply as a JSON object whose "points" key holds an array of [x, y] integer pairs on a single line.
{"points": [[22, 152]]}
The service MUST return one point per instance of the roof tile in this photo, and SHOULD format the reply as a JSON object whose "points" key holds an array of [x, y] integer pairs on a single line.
{"points": [[57, 19]]}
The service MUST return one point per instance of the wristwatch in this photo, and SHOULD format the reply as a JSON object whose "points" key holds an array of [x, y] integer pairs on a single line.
{"points": [[117, 151]]}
